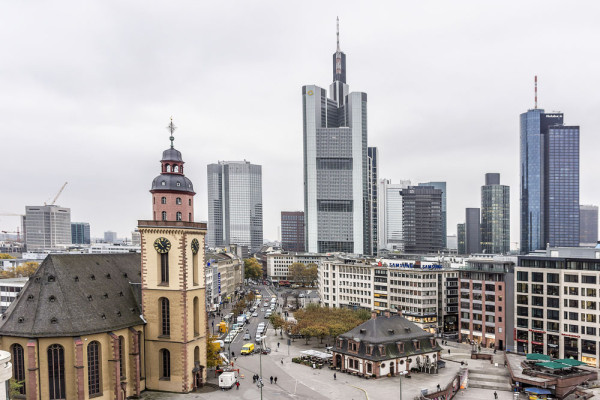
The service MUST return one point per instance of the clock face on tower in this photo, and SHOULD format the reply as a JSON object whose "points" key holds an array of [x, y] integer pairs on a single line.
{"points": [[162, 245], [195, 246]]}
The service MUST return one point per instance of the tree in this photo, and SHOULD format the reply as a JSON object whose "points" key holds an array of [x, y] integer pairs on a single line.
{"points": [[5, 256], [296, 272], [276, 321], [311, 273], [252, 269], [213, 358], [26, 269]]}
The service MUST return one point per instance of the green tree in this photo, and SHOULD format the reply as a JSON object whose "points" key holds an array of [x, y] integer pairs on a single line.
{"points": [[311, 273], [5, 256], [252, 269], [276, 321]]}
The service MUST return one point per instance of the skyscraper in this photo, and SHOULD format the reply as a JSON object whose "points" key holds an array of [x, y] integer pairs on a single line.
{"points": [[390, 214], [80, 233], [441, 186], [292, 230], [588, 226], [373, 156], [472, 231], [460, 239], [336, 166], [549, 180], [47, 227], [235, 214], [495, 216], [422, 219]]}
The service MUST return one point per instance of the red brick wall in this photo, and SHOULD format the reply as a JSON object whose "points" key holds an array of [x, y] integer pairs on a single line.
{"points": [[171, 208], [32, 371], [79, 368]]}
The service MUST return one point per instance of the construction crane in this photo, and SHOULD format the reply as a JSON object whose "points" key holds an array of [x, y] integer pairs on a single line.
{"points": [[17, 232], [58, 194]]}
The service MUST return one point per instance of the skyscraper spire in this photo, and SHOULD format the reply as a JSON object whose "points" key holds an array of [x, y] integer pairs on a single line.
{"points": [[338, 34], [536, 92]]}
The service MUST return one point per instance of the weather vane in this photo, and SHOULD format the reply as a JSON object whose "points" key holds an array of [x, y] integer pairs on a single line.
{"points": [[171, 129]]}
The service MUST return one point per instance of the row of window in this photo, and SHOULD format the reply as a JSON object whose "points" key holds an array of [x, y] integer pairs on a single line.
{"points": [[163, 200]]}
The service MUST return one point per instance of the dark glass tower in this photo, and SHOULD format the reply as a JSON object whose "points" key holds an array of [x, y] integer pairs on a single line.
{"points": [[472, 231], [495, 216], [422, 219], [442, 187], [549, 181]]}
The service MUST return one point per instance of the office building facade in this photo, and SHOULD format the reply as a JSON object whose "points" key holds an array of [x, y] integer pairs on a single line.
{"points": [[422, 219], [47, 227], [460, 239], [441, 186], [235, 210], [588, 225], [549, 181], [556, 299], [110, 237], [373, 161], [80, 233], [336, 166], [292, 230], [472, 231], [495, 216], [390, 214]]}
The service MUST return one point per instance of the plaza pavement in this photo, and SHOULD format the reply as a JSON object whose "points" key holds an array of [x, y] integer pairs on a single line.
{"points": [[296, 381]]}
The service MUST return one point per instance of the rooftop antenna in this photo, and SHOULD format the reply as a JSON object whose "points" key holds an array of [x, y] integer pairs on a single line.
{"points": [[338, 34], [536, 92], [171, 128]]}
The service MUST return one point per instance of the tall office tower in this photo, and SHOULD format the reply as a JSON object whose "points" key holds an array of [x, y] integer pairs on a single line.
{"points": [[80, 233], [422, 219], [235, 214], [390, 214], [336, 184], [472, 231], [373, 160], [442, 187], [292, 230], [588, 225], [549, 180], [495, 216], [460, 238], [47, 227], [110, 237]]}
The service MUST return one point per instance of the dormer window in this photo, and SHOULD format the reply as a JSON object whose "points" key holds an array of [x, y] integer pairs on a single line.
{"points": [[178, 183], [400, 347], [162, 183], [417, 345]]}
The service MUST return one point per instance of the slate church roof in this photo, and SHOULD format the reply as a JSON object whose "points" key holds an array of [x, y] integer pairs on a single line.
{"points": [[77, 294], [387, 332]]}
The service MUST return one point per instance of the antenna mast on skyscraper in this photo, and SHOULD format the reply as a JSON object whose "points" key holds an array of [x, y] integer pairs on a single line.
{"points": [[338, 34], [536, 92]]}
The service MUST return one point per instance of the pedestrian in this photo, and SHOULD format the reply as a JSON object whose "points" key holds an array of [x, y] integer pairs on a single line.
{"points": [[282, 361], [438, 387], [237, 385], [494, 351], [233, 354], [254, 378], [271, 380], [495, 395], [276, 380], [448, 351], [334, 376], [278, 344]]}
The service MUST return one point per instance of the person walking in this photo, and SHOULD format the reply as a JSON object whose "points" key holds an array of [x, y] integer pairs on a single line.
{"points": [[237, 385], [438, 387], [334, 376], [448, 351], [271, 380], [495, 395], [276, 380], [282, 361]]}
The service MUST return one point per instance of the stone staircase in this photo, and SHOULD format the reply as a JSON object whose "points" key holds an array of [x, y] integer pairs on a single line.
{"points": [[490, 378]]}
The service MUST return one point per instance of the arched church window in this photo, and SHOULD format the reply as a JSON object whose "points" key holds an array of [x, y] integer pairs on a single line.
{"points": [[176, 168], [19, 366], [94, 362], [164, 215], [178, 200], [163, 200], [168, 168], [165, 364], [56, 372], [165, 317], [178, 216]]}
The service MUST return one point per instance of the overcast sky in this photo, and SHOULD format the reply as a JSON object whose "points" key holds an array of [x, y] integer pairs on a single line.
{"points": [[87, 89]]}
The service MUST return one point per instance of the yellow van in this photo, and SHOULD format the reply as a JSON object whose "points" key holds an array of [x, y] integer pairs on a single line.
{"points": [[248, 348]]}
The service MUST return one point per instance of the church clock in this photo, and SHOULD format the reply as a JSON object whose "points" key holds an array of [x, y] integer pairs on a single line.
{"points": [[162, 245]]}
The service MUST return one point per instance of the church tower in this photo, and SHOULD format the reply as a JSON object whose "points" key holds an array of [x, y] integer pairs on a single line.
{"points": [[173, 289]]}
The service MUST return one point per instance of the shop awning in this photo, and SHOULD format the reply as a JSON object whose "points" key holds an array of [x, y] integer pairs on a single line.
{"points": [[536, 356], [315, 353], [570, 362], [552, 365]]}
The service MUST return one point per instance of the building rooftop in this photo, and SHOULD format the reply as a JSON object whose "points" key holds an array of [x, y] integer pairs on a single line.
{"points": [[77, 294]]}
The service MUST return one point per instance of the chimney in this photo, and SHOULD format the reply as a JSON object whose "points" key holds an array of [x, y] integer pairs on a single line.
{"points": [[373, 315], [387, 313]]}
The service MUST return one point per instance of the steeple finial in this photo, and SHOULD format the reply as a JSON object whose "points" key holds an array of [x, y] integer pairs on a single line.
{"points": [[171, 129], [338, 34]]}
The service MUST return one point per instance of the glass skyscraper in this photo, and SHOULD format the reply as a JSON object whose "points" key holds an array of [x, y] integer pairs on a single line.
{"points": [[422, 219], [235, 214], [390, 214], [549, 181], [80, 233], [442, 187], [495, 216], [337, 198]]}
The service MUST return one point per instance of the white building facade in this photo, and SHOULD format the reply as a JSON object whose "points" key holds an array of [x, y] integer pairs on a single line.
{"points": [[278, 263], [390, 214]]}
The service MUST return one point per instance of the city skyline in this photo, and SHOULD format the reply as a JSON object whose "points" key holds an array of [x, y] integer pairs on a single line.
{"points": [[114, 95]]}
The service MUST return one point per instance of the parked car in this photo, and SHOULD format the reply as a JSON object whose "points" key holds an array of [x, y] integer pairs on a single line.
{"points": [[255, 314], [266, 350]]}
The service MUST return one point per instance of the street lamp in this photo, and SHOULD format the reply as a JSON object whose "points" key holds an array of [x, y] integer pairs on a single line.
{"points": [[400, 373], [262, 338]]}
